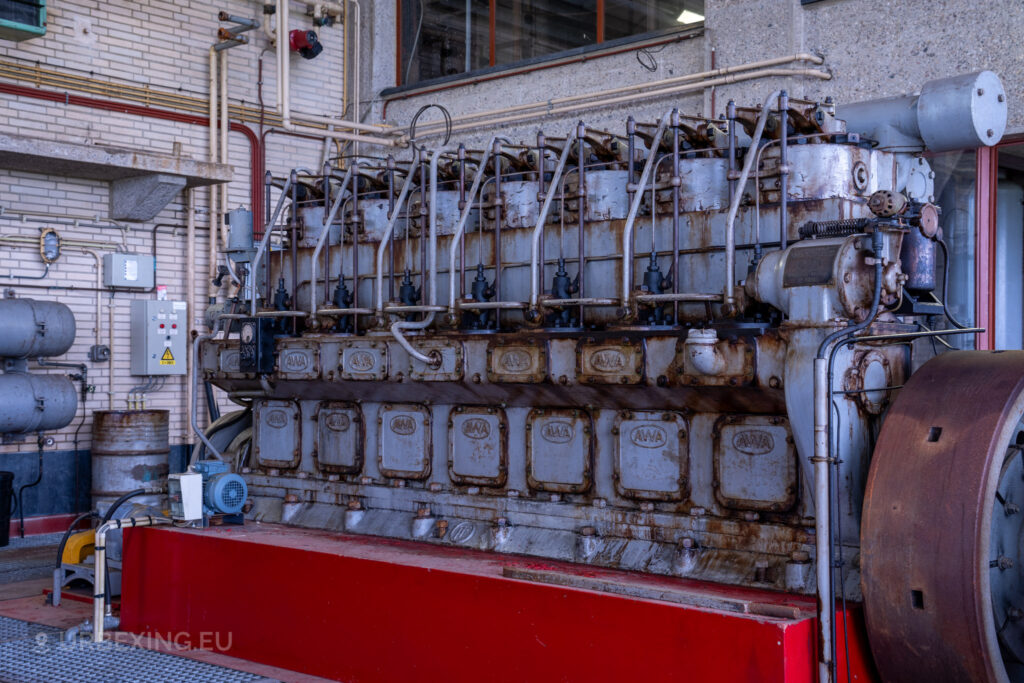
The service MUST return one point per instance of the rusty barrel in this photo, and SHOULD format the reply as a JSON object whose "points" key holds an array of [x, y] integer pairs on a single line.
{"points": [[130, 450]]}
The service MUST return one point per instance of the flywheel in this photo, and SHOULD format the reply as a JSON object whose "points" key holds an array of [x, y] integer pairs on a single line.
{"points": [[941, 535]]}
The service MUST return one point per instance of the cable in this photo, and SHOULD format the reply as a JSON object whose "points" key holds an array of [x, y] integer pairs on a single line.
{"points": [[945, 286], [419, 112], [71, 530], [120, 501], [21, 491], [645, 56]]}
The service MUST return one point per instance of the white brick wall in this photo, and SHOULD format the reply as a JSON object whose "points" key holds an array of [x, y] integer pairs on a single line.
{"points": [[164, 45]]}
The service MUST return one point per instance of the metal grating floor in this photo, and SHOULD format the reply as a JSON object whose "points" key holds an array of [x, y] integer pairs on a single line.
{"points": [[33, 653]]}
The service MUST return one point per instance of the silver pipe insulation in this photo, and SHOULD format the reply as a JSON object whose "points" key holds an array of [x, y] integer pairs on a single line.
{"points": [[729, 295], [100, 577]]}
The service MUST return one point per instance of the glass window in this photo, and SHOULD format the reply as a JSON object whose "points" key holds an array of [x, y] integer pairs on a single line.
{"points": [[441, 38], [955, 184], [1009, 282]]}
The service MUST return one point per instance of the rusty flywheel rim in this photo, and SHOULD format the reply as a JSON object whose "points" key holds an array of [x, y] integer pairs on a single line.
{"points": [[940, 538]]}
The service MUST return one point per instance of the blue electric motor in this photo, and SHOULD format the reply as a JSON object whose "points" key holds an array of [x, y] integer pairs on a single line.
{"points": [[224, 492]]}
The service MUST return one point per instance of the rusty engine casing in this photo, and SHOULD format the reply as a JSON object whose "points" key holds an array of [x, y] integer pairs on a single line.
{"points": [[669, 436]]}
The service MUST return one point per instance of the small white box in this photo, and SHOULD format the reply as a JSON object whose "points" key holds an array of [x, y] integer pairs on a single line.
{"points": [[185, 492], [128, 270]]}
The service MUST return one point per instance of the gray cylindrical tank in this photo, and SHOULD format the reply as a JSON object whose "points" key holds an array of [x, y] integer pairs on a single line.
{"points": [[36, 403], [130, 450], [960, 112], [32, 328]]}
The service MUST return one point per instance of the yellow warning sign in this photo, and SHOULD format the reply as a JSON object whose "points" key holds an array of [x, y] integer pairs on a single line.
{"points": [[167, 358]]}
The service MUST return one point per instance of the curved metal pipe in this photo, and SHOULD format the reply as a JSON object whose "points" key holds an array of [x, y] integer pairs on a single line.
{"points": [[538, 230], [328, 219], [386, 237], [460, 229], [634, 207], [729, 295]]}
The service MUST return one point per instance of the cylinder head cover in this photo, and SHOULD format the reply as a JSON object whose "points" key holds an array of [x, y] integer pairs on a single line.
{"points": [[33, 328]]}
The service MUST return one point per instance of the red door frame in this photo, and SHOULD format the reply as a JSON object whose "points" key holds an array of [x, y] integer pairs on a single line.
{"points": [[985, 194]]}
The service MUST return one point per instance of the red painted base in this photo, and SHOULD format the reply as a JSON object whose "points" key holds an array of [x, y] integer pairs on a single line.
{"points": [[44, 524], [368, 609]]}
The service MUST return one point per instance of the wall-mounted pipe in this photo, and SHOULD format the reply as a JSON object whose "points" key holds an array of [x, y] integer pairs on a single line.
{"points": [[635, 89], [600, 100]]}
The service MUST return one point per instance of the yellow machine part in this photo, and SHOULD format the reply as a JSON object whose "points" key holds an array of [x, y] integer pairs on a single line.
{"points": [[79, 546]]}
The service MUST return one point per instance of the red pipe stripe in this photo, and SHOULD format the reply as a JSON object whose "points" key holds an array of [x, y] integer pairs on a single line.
{"points": [[255, 179]]}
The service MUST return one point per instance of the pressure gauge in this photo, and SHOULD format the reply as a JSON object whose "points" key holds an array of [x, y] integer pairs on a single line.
{"points": [[248, 332]]}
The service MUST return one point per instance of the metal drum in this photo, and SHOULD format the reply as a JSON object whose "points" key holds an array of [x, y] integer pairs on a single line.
{"points": [[130, 450]]}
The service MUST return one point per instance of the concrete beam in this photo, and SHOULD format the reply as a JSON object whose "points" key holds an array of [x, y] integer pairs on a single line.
{"points": [[141, 198], [142, 183]]}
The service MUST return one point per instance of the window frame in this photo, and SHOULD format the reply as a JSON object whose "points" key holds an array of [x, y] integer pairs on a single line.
{"points": [[986, 190], [601, 48]]}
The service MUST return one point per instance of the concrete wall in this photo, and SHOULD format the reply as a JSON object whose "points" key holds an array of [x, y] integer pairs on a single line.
{"points": [[872, 47]]}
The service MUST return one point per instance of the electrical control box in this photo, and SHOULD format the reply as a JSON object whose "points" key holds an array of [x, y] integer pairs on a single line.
{"points": [[159, 339], [185, 493], [128, 270]]}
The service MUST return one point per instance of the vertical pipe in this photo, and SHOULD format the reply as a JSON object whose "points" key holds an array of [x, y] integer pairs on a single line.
{"points": [[581, 133], [541, 147], [391, 210], [423, 224], [211, 289], [462, 207], [823, 561], [731, 118], [631, 153], [294, 247], [190, 290], [268, 184], [355, 251], [783, 169], [225, 124], [496, 151], [675, 213], [284, 76], [327, 228]]}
